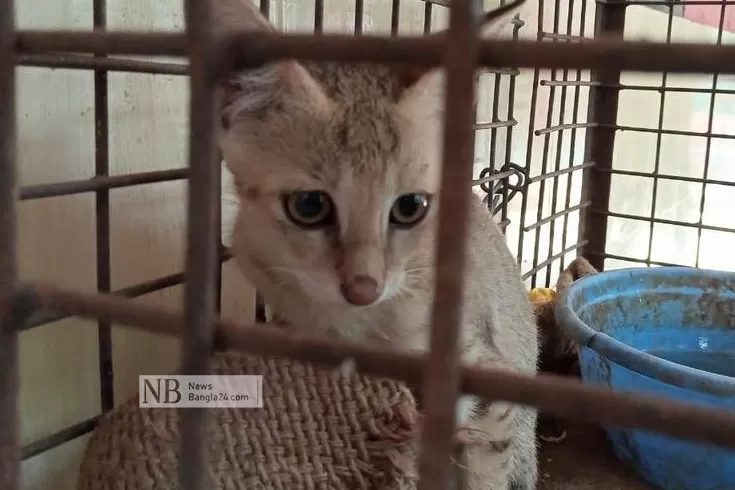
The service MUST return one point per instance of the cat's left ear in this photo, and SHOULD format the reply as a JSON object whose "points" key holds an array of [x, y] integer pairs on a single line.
{"points": [[491, 25]]}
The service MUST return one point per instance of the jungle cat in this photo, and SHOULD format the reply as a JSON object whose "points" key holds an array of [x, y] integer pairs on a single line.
{"points": [[337, 169]]}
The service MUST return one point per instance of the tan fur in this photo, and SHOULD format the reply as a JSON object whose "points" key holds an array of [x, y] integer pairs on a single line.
{"points": [[365, 136]]}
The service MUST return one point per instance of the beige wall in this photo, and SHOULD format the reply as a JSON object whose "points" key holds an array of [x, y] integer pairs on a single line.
{"points": [[148, 132]]}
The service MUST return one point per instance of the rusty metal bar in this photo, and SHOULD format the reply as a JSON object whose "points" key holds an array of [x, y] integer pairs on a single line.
{"points": [[102, 214], [201, 251], [99, 183], [600, 140], [440, 385], [42, 317], [9, 382], [243, 50], [84, 62], [58, 438], [558, 396]]}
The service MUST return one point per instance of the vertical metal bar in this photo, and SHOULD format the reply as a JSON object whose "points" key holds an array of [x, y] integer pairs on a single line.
{"points": [[441, 376], [509, 130], [659, 138], [201, 250], [545, 156], [572, 153], [318, 16], [102, 211], [265, 8], [529, 143], [359, 12], [559, 136], [218, 238], [600, 141], [395, 17], [708, 143], [428, 9], [260, 313], [9, 383]]}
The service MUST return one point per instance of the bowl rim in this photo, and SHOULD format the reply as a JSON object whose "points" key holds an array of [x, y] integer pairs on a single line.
{"points": [[635, 360]]}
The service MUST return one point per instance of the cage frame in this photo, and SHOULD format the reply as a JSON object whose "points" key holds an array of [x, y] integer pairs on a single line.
{"points": [[439, 371]]}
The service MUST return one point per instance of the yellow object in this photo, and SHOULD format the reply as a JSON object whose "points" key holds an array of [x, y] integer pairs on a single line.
{"points": [[542, 295]]}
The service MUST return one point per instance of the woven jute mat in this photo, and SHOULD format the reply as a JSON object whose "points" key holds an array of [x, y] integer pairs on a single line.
{"points": [[319, 429]]}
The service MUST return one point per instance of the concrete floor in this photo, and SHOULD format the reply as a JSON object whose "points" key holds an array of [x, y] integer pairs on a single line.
{"points": [[584, 461]]}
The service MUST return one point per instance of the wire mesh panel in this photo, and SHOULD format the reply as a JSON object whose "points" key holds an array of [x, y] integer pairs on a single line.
{"points": [[667, 196], [549, 211], [549, 201]]}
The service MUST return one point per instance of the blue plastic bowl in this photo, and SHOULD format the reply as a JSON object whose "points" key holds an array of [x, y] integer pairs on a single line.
{"points": [[663, 331]]}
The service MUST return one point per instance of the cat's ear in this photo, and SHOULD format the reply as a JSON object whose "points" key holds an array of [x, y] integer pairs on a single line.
{"points": [[491, 25], [251, 93]]}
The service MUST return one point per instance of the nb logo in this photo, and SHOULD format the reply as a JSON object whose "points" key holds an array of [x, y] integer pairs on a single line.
{"points": [[161, 390]]}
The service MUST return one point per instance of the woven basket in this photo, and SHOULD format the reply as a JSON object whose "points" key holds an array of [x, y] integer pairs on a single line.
{"points": [[319, 428]]}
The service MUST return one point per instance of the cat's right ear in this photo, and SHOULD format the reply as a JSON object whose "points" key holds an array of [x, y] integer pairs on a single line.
{"points": [[251, 93]]}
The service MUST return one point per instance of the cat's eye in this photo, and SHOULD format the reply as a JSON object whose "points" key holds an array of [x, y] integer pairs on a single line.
{"points": [[308, 209], [409, 209]]}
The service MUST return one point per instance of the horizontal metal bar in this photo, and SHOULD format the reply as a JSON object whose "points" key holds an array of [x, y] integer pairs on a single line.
{"points": [[632, 259], [97, 183], [495, 124], [564, 127], [570, 83], [558, 214], [246, 50], [442, 3], [656, 175], [557, 173], [82, 62], [43, 317], [562, 37], [554, 258], [485, 70], [673, 132], [555, 395], [493, 177], [671, 3], [634, 87], [648, 219], [58, 438]]}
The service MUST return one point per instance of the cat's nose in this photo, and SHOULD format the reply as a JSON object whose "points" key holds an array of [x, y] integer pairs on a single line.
{"points": [[361, 290]]}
